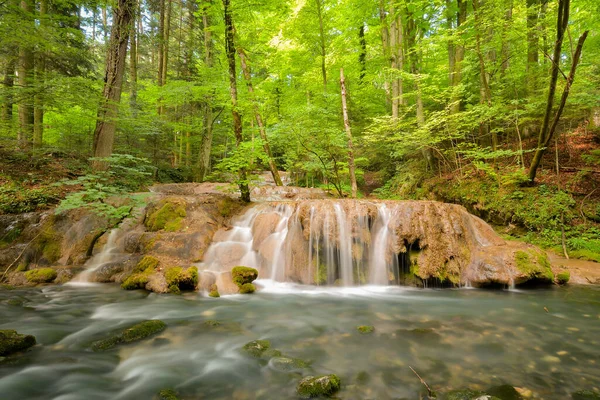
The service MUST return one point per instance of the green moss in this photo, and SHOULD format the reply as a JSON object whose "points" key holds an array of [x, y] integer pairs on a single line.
{"points": [[225, 207], [585, 254], [41, 275], [256, 348], [242, 275], [586, 395], [247, 288], [534, 265], [288, 363], [12, 342], [320, 386], [212, 322], [563, 277], [167, 394], [22, 267], [214, 291], [179, 279], [365, 329], [134, 333], [272, 353], [141, 274], [168, 216], [321, 275]]}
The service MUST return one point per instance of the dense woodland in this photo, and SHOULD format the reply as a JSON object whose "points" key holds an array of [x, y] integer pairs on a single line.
{"points": [[493, 104]]}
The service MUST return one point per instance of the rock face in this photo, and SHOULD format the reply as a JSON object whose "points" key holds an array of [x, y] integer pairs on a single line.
{"points": [[352, 242]]}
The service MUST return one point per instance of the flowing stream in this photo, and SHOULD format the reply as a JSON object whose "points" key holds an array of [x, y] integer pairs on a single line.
{"points": [[453, 338]]}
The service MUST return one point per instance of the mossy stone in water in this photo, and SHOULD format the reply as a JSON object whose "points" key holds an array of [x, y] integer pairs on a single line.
{"points": [[131, 334], [468, 394], [167, 394], [256, 348], [504, 392], [287, 363], [586, 395], [534, 265], [141, 273], [318, 386], [364, 329], [179, 279], [214, 291], [41, 275], [12, 342], [563, 277], [243, 275], [247, 288]]}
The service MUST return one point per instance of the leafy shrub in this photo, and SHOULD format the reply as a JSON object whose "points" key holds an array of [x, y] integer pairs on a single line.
{"points": [[15, 199]]}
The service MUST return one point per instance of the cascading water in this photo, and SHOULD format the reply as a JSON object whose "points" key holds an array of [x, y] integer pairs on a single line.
{"points": [[321, 242], [108, 253]]}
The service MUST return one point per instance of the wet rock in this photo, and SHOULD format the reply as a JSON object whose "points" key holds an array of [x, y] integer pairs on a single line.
{"points": [[64, 275], [134, 333], [168, 214], [179, 279], [586, 395], [504, 392], [12, 342], [214, 291], [107, 271], [324, 385], [256, 348], [140, 275], [264, 225], [287, 363], [364, 329], [41, 275], [247, 288], [224, 282]]}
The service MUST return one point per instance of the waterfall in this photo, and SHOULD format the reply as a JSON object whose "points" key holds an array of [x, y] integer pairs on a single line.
{"points": [[108, 254], [318, 242]]}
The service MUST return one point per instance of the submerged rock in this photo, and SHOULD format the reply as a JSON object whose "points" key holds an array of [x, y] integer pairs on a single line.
{"points": [[586, 395], [134, 333], [504, 392], [214, 291], [468, 394], [324, 385], [364, 329], [167, 394], [282, 363], [256, 348], [12, 342]]}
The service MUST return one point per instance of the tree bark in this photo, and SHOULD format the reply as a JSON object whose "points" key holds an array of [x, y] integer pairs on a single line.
{"points": [[385, 41], [397, 58], [532, 43], [166, 35], [133, 63], [237, 118], [161, 41], [25, 71], [259, 121], [104, 134], [38, 113], [362, 56], [7, 97], [351, 168]]}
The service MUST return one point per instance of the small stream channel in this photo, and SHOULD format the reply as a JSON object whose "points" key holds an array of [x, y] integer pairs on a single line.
{"points": [[453, 338]]}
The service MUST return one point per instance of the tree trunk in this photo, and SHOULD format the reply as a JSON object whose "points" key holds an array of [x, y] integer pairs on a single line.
{"points": [[322, 42], [133, 63], [25, 70], [385, 41], [237, 118], [104, 135], [459, 55], [532, 44], [547, 131], [166, 35], [38, 113], [486, 94], [259, 121], [207, 112], [161, 41], [104, 23], [351, 168], [7, 97], [362, 56]]}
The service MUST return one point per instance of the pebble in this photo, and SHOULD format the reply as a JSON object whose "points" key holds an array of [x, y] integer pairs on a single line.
{"points": [[208, 313], [551, 359], [573, 329], [562, 353]]}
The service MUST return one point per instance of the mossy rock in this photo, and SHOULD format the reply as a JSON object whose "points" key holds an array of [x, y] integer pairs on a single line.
{"points": [[179, 279], [468, 394], [256, 348], [318, 386], [168, 216], [214, 291], [12, 342], [141, 274], [364, 329], [134, 333], [586, 395], [242, 275], [282, 363], [534, 265], [167, 394], [247, 288], [504, 392], [321, 275], [563, 277], [41, 275]]}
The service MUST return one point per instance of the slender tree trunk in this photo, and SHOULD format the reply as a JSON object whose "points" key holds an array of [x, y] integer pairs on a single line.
{"points": [[38, 113], [351, 168], [25, 71], [322, 42], [533, 9], [207, 108], [362, 56], [259, 121], [7, 96], [237, 118], [166, 35], [133, 63], [385, 41], [394, 44], [104, 23], [161, 42], [486, 94], [547, 131], [104, 135], [459, 55]]}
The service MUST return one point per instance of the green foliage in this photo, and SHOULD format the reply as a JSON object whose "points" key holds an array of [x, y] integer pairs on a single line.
{"points": [[41, 275], [108, 193], [15, 199]]}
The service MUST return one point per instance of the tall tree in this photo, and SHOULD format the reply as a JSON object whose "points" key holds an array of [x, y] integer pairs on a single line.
{"points": [[351, 167], [40, 74], [237, 118], [322, 42], [104, 134], [207, 107], [25, 72]]}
